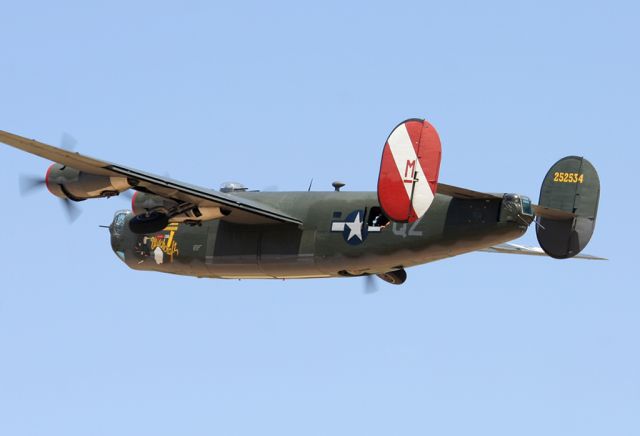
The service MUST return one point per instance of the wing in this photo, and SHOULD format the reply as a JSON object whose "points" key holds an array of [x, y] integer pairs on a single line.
{"points": [[531, 251], [242, 210]]}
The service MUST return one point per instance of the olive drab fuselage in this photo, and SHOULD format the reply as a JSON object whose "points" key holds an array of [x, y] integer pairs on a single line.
{"points": [[343, 234]]}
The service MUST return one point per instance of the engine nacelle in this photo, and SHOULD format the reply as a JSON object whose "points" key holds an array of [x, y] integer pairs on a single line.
{"points": [[67, 182]]}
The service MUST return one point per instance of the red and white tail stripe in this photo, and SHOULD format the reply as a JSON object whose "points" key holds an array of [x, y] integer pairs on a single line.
{"points": [[409, 170]]}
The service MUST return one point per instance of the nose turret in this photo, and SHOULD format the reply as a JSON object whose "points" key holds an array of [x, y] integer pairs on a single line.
{"points": [[117, 229]]}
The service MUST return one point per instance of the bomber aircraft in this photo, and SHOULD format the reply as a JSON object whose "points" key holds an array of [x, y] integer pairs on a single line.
{"points": [[411, 219]]}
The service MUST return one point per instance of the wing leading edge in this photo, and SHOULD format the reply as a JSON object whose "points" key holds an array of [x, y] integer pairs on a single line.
{"points": [[243, 210]]}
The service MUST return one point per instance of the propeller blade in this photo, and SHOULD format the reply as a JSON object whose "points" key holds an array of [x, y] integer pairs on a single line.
{"points": [[370, 284], [68, 142], [126, 195], [29, 184], [71, 209]]}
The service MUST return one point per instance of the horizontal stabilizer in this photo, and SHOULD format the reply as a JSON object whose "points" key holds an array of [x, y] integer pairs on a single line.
{"points": [[551, 213], [464, 193], [468, 194], [530, 251]]}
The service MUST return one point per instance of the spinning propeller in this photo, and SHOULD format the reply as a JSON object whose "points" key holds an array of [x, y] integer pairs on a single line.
{"points": [[29, 184]]}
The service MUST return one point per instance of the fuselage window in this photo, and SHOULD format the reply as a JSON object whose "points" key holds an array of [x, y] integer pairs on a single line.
{"points": [[377, 218]]}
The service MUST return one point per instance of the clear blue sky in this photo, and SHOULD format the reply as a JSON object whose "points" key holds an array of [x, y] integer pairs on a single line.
{"points": [[274, 94]]}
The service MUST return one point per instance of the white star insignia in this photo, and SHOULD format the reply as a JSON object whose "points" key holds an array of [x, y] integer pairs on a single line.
{"points": [[355, 228]]}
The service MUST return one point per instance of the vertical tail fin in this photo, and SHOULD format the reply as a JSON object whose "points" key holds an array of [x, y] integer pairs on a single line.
{"points": [[409, 170], [571, 185]]}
